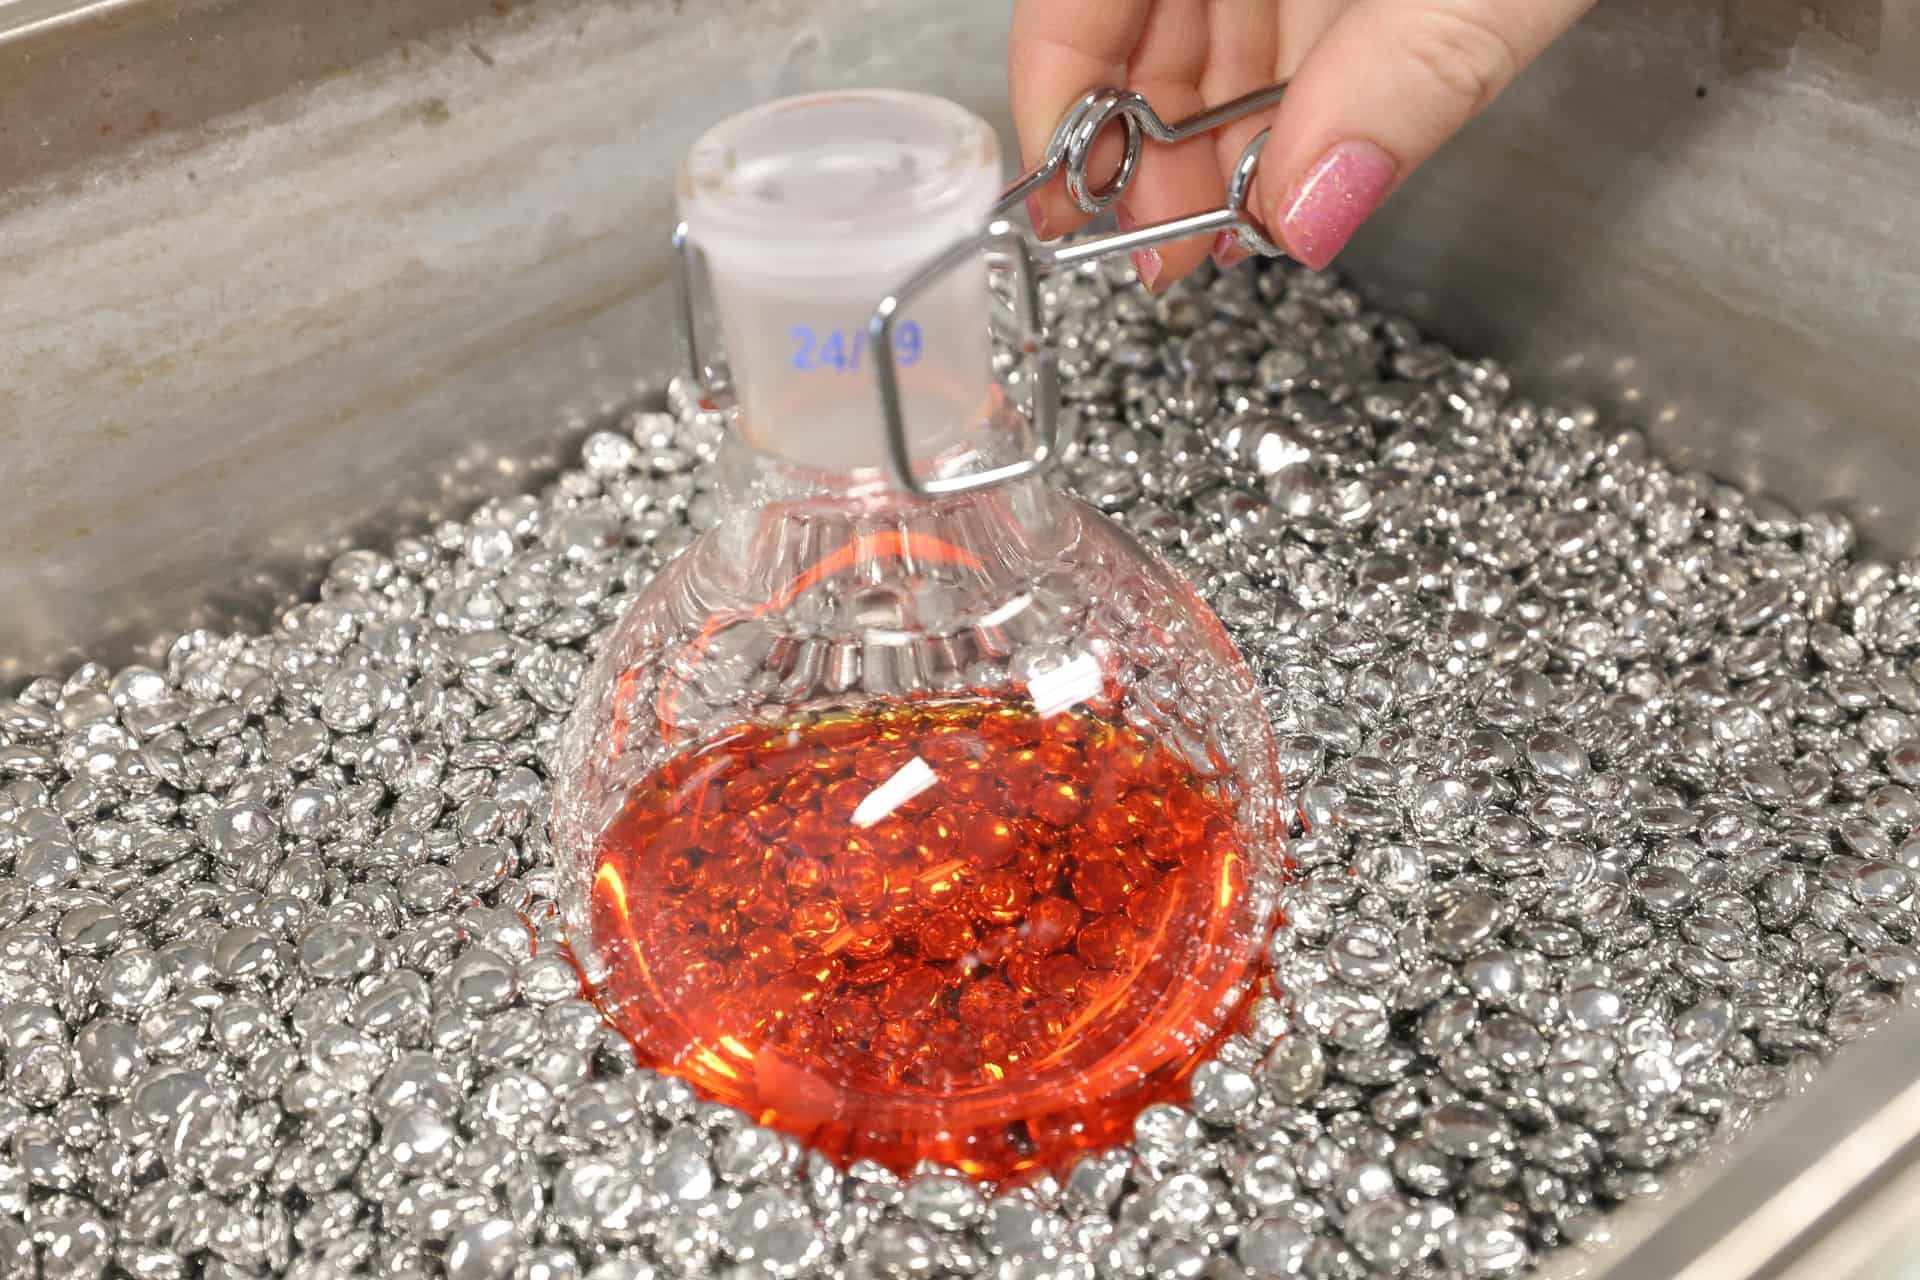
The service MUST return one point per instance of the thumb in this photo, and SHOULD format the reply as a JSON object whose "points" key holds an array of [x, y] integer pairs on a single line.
{"points": [[1387, 84]]}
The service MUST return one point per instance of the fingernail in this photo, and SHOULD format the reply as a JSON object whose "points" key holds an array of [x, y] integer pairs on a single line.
{"points": [[1037, 216], [1146, 262], [1227, 253], [1328, 205]]}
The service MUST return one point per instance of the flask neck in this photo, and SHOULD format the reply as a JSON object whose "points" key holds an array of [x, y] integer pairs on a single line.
{"points": [[807, 212], [757, 469], [788, 529]]}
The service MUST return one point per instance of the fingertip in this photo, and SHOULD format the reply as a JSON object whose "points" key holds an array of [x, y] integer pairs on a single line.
{"points": [[1272, 189], [1227, 252], [1053, 213], [1172, 182], [1178, 261], [1148, 266], [1384, 88], [1037, 215], [1056, 51], [1332, 199]]}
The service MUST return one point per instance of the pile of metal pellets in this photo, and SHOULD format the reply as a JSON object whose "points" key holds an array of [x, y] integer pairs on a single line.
{"points": [[1601, 774]]}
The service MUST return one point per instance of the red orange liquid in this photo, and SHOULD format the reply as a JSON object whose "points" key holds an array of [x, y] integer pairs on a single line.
{"points": [[944, 930]]}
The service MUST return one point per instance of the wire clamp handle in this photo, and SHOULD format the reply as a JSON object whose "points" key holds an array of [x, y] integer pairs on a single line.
{"points": [[1068, 151]]}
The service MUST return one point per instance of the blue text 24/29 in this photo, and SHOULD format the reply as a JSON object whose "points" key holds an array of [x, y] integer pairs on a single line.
{"points": [[813, 350]]}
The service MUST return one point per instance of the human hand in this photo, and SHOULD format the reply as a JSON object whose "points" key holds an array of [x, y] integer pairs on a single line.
{"points": [[1376, 87]]}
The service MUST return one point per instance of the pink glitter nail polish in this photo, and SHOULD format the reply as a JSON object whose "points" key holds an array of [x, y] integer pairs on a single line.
{"points": [[1328, 205], [1037, 216], [1146, 262], [1227, 253]]}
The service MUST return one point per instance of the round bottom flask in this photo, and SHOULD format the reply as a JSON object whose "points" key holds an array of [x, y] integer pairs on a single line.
{"points": [[922, 829]]}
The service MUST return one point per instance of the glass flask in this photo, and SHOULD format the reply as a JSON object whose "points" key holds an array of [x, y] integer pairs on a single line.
{"points": [[921, 828]]}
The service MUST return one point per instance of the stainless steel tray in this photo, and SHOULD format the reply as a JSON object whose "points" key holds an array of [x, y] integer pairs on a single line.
{"points": [[276, 274]]}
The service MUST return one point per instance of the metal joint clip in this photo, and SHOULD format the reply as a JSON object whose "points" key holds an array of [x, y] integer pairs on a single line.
{"points": [[1068, 150]]}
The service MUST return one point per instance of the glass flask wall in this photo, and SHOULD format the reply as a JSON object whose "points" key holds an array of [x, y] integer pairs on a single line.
{"points": [[936, 830]]}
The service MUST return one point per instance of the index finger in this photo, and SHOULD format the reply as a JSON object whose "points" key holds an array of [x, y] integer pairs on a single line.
{"points": [[1057, 50]]}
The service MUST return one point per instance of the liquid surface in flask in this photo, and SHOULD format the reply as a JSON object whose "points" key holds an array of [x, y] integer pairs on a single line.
{"points": [[947, 929]]}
